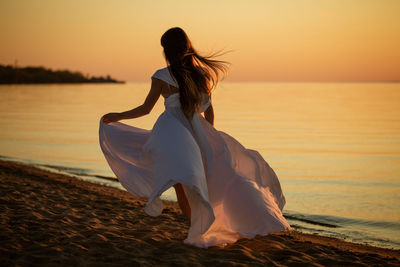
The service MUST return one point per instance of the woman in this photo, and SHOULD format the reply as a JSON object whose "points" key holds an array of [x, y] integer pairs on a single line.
{"points": [[225, 190]]}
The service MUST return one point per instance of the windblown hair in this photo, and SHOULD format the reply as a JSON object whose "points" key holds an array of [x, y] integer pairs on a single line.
{"points": [[195, 74]]}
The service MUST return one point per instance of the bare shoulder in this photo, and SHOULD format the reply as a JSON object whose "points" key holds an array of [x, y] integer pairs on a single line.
{"points": [[158, 84], [156, 81]]}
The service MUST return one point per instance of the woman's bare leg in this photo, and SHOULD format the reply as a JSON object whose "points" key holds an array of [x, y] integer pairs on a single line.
{"points": [[182, 200]]}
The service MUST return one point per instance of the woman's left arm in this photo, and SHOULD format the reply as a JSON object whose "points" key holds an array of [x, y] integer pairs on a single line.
{"points": [[144, 109]]}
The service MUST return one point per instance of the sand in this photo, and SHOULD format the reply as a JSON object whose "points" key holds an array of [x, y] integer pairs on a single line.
{"points": [[53, 219]]}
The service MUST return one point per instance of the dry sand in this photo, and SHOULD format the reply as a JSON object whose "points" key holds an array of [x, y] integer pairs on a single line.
{"points": [[53, 219]]}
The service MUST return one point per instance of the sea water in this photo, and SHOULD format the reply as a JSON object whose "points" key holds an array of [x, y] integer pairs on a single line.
{"points": [[334, 146]]}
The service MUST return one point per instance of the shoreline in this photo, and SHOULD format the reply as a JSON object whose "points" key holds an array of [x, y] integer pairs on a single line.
{"points": [[302, 222], [52, 218]]}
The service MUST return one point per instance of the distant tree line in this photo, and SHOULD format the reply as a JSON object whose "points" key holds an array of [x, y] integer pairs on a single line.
{"points": [[15, 75]]}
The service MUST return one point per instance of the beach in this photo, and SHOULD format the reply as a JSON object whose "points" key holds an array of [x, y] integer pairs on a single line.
{"points": [[53, 219]]}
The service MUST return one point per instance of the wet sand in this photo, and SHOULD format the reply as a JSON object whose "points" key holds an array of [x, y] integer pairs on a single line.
{"points": [[53, 219]]}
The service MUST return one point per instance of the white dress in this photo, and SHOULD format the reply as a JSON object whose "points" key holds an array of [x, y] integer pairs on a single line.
{"points": [[231, 190]]}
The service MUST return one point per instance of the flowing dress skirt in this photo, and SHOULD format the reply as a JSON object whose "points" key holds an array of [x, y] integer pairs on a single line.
{"points": [[232, 191]]}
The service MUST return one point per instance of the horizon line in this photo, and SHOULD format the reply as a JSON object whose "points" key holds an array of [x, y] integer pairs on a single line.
{"points": [[291, 81]]}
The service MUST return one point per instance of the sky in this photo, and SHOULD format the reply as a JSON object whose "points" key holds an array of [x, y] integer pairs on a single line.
{"points": [[281, 40]]}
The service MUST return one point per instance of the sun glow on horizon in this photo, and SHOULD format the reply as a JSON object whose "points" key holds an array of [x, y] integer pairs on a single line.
{"points": [[270, 40]]}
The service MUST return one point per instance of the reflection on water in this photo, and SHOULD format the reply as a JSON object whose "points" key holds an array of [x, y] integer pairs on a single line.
{"points": [[334, 146]]}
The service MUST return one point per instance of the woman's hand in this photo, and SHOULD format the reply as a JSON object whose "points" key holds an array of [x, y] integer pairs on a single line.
{"points": [[111, 117]]}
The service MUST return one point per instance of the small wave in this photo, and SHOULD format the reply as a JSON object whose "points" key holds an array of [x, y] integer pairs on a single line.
{"points": [[78, 171], [310, 221], [331, 221]]}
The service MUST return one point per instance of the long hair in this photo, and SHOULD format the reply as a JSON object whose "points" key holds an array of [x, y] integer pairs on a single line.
{"points": [[195, 74]]}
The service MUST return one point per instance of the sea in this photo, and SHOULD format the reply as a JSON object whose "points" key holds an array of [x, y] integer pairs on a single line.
{"points": [[334, 146]]}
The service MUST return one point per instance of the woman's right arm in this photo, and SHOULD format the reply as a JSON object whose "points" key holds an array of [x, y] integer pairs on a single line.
{"points": [[144, 109], [209, 114]]}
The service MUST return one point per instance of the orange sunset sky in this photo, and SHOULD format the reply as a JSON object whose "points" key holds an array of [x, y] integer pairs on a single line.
{"points": [[282, 40]]}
